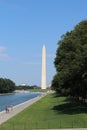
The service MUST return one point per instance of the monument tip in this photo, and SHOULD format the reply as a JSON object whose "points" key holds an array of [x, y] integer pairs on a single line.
{"points": [[43, 45]]}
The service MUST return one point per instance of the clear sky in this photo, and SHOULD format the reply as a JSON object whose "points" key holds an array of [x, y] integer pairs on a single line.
{"points": [[25, 25]]}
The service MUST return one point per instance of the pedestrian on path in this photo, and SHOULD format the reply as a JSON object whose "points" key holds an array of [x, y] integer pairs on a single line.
{"points": [[7, 109]]}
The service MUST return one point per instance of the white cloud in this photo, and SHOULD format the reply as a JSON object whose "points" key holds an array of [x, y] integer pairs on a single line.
{"points": [[3, 55], [2, 48], [11, 5]]}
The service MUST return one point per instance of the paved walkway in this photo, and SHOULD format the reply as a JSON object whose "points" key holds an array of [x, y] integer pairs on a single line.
{"points": [[16, 109]]}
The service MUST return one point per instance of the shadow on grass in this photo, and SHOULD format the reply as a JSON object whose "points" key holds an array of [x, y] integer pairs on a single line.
{"points": [[71, 107]]}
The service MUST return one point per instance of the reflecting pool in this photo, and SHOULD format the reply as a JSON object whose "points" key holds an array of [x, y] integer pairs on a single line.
{"points": [[15, 99]]}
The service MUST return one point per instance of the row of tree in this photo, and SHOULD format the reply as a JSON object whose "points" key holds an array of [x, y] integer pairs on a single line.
{"points": [[27, 87], [71, 63]]}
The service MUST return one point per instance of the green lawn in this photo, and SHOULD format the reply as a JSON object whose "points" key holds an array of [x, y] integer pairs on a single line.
{"points": [[37, 90], [49, 112]]}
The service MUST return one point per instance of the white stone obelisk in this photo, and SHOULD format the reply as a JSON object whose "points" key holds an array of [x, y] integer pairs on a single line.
{"points": [[43, 80]]}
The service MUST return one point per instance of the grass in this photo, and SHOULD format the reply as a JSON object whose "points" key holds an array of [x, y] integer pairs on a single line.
{"points": [[37, 90], [50, 112]]}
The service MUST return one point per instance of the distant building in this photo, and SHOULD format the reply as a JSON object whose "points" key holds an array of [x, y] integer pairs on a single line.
{"points": [[23, 84]]}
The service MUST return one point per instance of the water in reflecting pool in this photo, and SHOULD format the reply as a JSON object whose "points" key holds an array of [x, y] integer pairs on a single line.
{"points": [[15, 99]]}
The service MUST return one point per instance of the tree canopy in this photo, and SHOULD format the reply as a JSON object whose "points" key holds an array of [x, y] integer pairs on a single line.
{"points": [[6, 85], [71, 63]]}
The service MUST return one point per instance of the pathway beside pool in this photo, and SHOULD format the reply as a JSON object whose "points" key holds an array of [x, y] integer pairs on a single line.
{"points": [[16, 109]]}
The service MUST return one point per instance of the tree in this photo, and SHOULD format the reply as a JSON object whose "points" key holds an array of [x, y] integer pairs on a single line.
{"points": [[6, 85], [71, 62]]}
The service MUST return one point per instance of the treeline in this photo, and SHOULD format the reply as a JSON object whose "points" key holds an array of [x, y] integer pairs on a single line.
{"points": [[6, 85], [26, 87], [71, 63]]}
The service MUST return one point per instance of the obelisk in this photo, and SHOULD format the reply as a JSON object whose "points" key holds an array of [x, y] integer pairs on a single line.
{"points": [[43, 80]]}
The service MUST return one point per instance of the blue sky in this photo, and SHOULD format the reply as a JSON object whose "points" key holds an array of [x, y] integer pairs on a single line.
{"points": [[25, 25]]}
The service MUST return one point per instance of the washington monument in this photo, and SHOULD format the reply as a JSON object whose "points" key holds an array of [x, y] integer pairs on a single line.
{"points": [[43, 80]]}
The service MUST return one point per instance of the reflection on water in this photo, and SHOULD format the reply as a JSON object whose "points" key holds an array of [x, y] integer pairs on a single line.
{"points": [[15, 99]]}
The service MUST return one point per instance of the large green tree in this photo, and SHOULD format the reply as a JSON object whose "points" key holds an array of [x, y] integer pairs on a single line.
{"points": [[6, 85], [71, 62]]}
